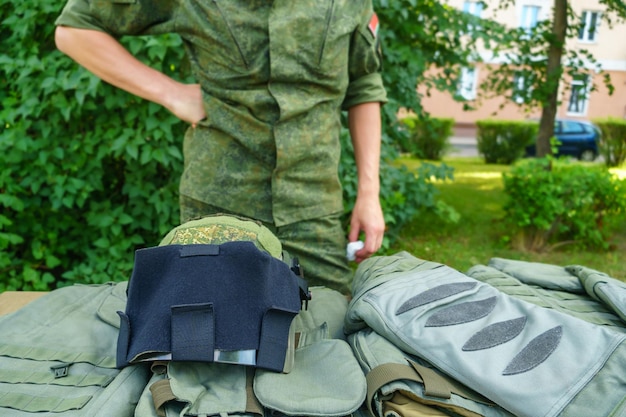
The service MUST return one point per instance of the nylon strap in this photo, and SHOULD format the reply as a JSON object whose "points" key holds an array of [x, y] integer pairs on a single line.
{"points": [[435, 385], [161, 393], [253, 406]]}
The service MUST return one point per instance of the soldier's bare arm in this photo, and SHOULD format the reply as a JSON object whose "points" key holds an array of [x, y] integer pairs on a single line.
{"points": [[367, 215], [104, 56]]}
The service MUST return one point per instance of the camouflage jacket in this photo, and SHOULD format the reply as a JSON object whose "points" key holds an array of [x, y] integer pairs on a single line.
{"points": [[275, 76]]}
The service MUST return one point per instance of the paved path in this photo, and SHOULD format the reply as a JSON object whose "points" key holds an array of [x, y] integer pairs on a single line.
{"points": [[463, 146]]}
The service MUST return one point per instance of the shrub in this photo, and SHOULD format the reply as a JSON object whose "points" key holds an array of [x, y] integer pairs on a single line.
{"points": [[504, 141], [89, 173], [571, 203], [427, 138], [404, 194], [612, 141]]}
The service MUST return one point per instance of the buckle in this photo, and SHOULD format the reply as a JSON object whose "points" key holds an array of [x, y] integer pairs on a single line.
{"points": [[61, 370]]}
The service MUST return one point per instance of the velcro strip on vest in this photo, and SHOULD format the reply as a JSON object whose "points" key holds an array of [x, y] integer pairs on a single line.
{"points": [[193, 331]]}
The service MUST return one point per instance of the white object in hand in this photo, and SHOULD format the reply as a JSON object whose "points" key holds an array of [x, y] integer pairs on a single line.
{"points": [[352, 248]]}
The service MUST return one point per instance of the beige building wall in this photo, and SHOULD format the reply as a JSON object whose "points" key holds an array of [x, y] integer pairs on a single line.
{"points": [[607, 44]]}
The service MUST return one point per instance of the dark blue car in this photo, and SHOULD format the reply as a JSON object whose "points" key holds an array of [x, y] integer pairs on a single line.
{"points": [[578, 138]]}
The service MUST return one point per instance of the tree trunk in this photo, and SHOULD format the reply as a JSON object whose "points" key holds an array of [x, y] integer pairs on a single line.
{"points": [[553, 76]]}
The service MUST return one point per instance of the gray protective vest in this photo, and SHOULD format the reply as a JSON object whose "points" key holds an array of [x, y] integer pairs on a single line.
{"points": [[57, 356], [531, 361]]}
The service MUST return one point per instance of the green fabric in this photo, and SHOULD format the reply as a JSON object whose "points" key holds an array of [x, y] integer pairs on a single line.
{"points": [[470, 335], [327, 307], [317, 386], [71, 326], [319, 244], [18, 371], [609, 382], [275, 76], [373, 350], [603, 288], [577, 291], [33, 403], [325, 381], [218, 229], [208, 388]]}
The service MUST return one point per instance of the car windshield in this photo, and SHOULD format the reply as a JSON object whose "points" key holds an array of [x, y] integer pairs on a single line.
{"points": [[568, 126]]}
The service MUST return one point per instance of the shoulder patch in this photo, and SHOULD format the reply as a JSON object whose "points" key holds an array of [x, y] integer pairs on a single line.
{"points": [[373, 25]]}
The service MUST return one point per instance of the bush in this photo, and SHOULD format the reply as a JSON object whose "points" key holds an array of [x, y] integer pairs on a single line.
{"points": [[504, 141], [612, 141], [427, 138], [403, 194], [89, 173], [571, 203]]}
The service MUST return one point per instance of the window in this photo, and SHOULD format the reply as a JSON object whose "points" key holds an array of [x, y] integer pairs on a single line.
{"points": [[578, 98], [467, 84], [473, 7], [530, 17], [589, 26], [521, 88]]}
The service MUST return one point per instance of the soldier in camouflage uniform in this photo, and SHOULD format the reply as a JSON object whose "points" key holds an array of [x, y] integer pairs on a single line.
{"points": [[273, 77]]}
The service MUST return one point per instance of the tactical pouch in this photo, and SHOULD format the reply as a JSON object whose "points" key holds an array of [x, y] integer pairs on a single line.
{"points": [[326, 379], [228, 303]]}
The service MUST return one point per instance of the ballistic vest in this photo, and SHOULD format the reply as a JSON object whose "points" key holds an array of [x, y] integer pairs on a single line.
{"points": [[529, 360], [57, 356]]}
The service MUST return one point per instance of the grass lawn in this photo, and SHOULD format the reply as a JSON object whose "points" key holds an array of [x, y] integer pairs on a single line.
{"points": [[477, 194]]}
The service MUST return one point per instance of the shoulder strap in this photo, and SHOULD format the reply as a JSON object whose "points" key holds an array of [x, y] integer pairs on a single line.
{"points": [[435, 384]]}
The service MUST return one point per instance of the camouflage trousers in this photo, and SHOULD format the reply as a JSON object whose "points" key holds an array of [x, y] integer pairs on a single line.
{"points": [[319, 244]]}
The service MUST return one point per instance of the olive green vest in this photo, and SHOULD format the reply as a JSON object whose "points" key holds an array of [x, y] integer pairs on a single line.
{"points": [[57, 356]]}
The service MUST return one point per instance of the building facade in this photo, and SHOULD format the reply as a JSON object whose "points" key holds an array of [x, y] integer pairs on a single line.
{"points": [[606, 44]]}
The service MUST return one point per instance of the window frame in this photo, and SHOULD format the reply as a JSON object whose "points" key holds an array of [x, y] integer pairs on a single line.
{"points": [[585, 34], [579, 95], [535, 17], [468, 78]]}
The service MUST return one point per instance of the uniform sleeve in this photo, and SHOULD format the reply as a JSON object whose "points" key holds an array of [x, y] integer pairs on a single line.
{"points": [[366, 84], [120, 17]]}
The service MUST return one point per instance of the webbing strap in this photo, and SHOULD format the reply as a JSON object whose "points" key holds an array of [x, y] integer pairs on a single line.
{"points": [[39, 403], [435, 385], [43, 353], [74, 380], [253, 406], [162, 393]]}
